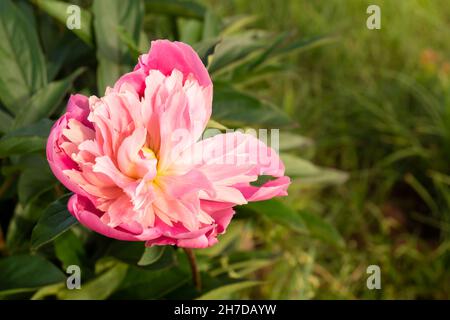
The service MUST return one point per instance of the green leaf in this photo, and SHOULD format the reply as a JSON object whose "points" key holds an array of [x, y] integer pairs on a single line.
{"points": [[126, 251], [211, 25], [113, 55], [29, 139], [5, 121], [35, 180], [233, 50], [69, 249], [67, 51], [190, 30], [266, 63], [99, 288], [298, 167], [44, 102], [309, 173], [268, 50], [58, 10], [239, 109], [302, 44], [186, 9], [321, 229], [136, 254], [48, 291], [326, 176], [23, 65], [23, 221], [127, 39], [27, 272], [215, 125], [140, 283], [289, 141], [151, 255], [227, 291], [55, 220], [280, 213], [157, 257], [238, 23], [205, 48]]}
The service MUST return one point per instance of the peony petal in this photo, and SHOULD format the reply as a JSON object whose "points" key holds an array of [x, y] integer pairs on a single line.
{"points": [[166, 56], [85, 212], [231, 161]]}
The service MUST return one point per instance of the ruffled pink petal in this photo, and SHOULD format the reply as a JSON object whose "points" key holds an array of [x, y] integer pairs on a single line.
{"points": [[166, 56], [269, 190], [85, 212], [78, 108], [195, 239], [58, 159]]}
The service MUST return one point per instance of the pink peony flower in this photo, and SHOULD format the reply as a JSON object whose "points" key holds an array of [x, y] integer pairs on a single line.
{"points": [[136, 166]]}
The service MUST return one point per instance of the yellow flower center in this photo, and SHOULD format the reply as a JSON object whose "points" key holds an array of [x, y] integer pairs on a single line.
{"points": [[148, 153]]}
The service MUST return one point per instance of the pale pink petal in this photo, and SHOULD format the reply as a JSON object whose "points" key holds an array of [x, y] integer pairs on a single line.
{"points": [[232, 161]]}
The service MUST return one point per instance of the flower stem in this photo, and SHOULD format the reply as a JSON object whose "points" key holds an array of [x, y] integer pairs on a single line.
{"points": [[195, 272]]}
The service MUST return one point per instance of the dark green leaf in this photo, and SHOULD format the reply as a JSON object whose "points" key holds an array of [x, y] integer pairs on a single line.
{"points": [[35, 180], [26, 140], [205, 48], [234, 50], [238, 108], [27, 272], [127, 251], [302, 44], [44, 102], [23, 220], [136, 254], [55, 220], [158, 257], [67, 51], [23, 65], [140, 283], [266, 53], [69, 249]]}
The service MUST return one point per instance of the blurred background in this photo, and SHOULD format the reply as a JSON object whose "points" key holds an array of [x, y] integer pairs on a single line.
{"points": [[364, 119]]}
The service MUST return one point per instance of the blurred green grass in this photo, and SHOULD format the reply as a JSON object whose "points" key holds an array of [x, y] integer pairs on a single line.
{"points": [[376, 102]]}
